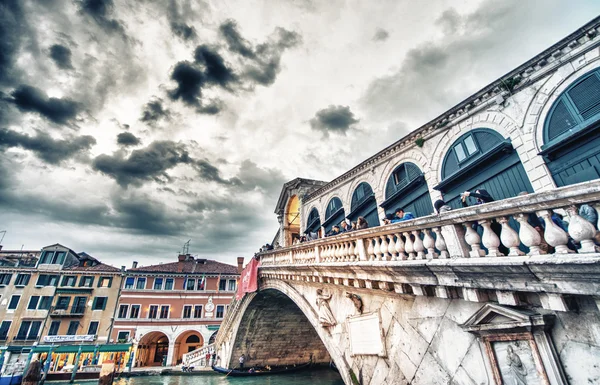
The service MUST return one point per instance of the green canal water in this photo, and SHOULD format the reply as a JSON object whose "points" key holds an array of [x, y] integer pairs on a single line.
{"points": [[312, 377], [309, 377]]}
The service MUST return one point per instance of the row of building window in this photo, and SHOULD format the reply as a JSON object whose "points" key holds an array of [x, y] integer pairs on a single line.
{"points": [[29, 330], [169, 283], [37, 302], [52, 280], [164, 311]]}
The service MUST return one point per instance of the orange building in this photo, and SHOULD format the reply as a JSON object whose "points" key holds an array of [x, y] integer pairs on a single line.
{"points": [[170, 309]]}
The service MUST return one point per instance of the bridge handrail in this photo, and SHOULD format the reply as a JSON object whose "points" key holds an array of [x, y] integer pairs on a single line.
{"points": [[199, 353], [455, 234]]}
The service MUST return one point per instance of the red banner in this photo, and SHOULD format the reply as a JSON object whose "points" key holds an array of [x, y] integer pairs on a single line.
{"points": [[249, 279]]}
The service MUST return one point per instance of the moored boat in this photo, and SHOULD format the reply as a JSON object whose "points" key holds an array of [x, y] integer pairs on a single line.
{"points": [[261, 371], [11, 380]]}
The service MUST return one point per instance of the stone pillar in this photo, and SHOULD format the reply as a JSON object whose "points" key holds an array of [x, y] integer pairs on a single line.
{"points": [[171, 354], [454, 235]]}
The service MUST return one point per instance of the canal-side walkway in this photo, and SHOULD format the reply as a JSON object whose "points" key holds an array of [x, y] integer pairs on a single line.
{"points": [[166, 370]]}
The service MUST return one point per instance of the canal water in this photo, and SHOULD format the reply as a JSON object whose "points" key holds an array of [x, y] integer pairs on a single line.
{"points": [[309, 377], [322, 376]]}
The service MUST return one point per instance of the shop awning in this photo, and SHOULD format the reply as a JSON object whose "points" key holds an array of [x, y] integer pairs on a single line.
{"points": [[84, 348]]}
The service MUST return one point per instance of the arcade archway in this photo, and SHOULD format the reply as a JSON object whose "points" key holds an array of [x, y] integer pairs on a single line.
{"points": [[185, 343], [153, 349]]}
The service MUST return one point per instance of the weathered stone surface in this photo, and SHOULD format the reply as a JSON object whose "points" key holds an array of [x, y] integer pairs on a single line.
{"points": [[581, 363], [431, 373]]}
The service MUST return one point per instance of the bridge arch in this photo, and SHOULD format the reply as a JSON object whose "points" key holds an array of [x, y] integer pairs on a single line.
{"points": [[297, 334]]}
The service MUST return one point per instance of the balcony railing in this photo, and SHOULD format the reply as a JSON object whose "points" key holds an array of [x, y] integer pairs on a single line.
{"points": [[71, 311], [454, 234]]}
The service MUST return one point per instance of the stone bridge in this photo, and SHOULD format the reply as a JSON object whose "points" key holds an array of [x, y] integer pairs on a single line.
{"points": [[433, 301]]}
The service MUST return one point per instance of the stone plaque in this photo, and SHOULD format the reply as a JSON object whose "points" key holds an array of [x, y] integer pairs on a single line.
{"points": [[366, 335]]}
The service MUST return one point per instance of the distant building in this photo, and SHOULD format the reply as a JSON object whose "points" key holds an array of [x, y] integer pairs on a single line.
{"points": [[171, 309], [60, 306]]}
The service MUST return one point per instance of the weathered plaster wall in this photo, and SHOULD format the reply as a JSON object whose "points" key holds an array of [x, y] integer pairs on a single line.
{"points": [[424, 340], [274, 331]]}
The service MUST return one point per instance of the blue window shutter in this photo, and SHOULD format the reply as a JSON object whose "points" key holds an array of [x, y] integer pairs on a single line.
{"points": [[560, 122], [586, 96]]}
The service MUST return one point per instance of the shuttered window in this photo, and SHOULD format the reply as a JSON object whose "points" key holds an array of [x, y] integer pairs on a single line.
{"points": [[576, 108]]}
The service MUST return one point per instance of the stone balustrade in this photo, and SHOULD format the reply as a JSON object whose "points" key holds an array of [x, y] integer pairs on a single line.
{"points": [[198, 356], [454, 234]]}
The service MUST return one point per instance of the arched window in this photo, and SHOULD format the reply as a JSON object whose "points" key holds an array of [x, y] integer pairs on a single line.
{"points": [[572, 132], [193, 339], [482, 158], [363, 204], [334, 213], [314, 221], [406, 188]]}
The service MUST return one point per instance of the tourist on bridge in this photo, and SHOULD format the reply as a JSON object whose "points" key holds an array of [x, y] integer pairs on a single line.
{"points": [[361, 223], [441, 206], [344, 227], [402, 216], [335, 230], [481, 196], [387, 219]]}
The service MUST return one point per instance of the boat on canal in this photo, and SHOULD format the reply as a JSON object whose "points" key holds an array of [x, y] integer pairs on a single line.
{"points": [[251, 372]]}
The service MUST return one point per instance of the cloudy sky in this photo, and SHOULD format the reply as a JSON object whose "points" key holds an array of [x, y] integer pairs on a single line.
{"points": [[128, 127]]}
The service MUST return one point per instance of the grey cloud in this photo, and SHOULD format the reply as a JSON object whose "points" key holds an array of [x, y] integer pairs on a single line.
{"points": [[438, 74], [53, 151], [216, 71], [149, 163], [381, 35], [268, 181], [31, 99], [263, 62], [177, 21], [183, 30], [101, 11], [189, 79], [336, 119], [12, 22], [235, 41], [154, 111], [142, 213], [127, 139], [61, 56]]}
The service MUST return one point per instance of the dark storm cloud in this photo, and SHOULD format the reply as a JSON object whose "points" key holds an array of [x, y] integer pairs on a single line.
{"points": [[61, 56], [189, 79], [149, 163], [12, 21], [177, 21], [336, 119], [141, 213], [101, 11], [263, 61], [216, 71], [154, 111], [31, 99], [184, 31], [235, 41], [53, 151], [381, 35], [208, 70], [268, 181], [127, 139]]}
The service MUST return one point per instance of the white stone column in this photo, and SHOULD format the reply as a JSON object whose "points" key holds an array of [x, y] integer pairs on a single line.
{"points": [[171, 353]]}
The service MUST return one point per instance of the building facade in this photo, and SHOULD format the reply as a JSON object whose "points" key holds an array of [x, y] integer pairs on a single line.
{"points": [[52, 308], [170, 309]]}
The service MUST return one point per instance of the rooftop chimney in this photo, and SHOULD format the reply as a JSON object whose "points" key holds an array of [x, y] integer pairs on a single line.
{"points": [[240, 262], [134, 264]]}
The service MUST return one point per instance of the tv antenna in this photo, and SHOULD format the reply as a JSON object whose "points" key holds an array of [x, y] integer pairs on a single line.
{"points": [[186, 248]]}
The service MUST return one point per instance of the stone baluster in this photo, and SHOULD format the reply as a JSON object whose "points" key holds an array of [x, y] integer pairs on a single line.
{"points": [[440, 243], [553, 234], [352, 252], [391, 247], [473, 240], [490, 239], [429, 244], [581, 230], [528, 235], [317, 254], [361, 250], [409, 246], [326, 253], [346, 251], [418, 245], [370, 250], [338, 252], [509, 237], [383, 246], [377, 249], [399, 247]]}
